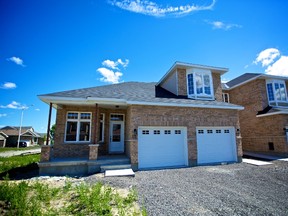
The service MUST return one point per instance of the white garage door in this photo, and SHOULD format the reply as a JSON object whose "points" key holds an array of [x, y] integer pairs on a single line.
{"points": [[216, 145], [162, 147]]}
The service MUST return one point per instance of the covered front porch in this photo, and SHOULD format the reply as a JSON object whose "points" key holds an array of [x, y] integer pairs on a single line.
{"points": [[87, 137]]}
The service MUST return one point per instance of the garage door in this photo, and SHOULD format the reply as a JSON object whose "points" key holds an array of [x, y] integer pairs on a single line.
{"points": [[162, 147], [216, 145]]}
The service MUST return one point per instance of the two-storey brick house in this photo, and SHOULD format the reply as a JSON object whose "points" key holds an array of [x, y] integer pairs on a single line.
{"points": [[178, 121], [264, 121]]}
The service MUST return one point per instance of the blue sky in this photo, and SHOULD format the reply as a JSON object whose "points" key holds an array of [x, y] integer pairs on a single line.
{"points": [[49, 46]]}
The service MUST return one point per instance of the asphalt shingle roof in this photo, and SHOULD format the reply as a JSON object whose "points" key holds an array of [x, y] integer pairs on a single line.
{"points": [[133, 92], [241, 79]]}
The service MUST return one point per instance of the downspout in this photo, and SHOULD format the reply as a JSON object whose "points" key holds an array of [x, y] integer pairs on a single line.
{"points": [[48, 127]]}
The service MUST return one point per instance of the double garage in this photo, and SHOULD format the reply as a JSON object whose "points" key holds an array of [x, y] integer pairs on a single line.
{"points": [[167, 146]]}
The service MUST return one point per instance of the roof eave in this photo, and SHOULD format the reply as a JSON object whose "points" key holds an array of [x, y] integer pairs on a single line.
{"points": [[265, 76], [188, 65], [184, 105], [274, 113], [80, 101]]}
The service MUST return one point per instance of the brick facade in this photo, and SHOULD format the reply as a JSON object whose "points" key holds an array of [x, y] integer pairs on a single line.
{"points": [[81, 150], [258, 132], [180, 116], [182, 84], [136, 116]]}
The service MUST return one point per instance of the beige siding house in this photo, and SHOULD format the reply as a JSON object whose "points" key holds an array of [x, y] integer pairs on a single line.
{"points": [[179, 121]]}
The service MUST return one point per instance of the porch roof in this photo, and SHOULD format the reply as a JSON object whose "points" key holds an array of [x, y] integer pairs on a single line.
{"points": [[127, 93]]}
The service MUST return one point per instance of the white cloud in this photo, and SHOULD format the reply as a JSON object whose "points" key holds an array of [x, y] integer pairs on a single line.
{"points": [[267, 56], [16, 60], [37, 109], [153, 9], [280, 67], [109, 75], [124, 64], [8, 85], [14, 105], [113, 64], [3, 115], [111, 72], [273, 61], [222, 25]]}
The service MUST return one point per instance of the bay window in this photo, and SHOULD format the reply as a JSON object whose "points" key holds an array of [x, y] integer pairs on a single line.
{"points": [[277, 93], [199, 84], [78, 127]]}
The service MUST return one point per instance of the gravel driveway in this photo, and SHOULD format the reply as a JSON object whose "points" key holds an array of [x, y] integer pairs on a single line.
{"points": [[235, 189]]}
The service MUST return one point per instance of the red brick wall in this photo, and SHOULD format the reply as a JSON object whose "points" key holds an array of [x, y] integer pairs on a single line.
{"points": [[257, 132], [81, 150], [178, 116]]}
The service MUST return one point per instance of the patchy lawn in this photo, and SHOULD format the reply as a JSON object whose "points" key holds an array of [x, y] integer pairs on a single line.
{"points": [[5, 149], [10, 163], [41, 198]]}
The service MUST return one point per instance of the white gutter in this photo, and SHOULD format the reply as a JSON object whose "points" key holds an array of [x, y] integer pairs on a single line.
{"points": [[111, 101], [88, 100], [273, 113], [184, 105], [256, 77]]}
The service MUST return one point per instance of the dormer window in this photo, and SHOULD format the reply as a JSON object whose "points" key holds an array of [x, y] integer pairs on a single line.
{"points": [[277, 94], [199, 84]]}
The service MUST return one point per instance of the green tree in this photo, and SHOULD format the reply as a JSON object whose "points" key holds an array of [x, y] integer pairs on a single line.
{"points": [[52, 132]]}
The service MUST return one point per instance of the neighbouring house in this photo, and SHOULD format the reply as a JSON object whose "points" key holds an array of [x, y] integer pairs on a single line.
{"points": [[9, 136], [264, 121], [179, 121], [3, 139]]}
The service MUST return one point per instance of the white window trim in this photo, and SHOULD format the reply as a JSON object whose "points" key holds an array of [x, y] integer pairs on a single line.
{"points": [[272, 81], [103, 127], [78, 126], [223, 96], [117, 114], [202, 96]]}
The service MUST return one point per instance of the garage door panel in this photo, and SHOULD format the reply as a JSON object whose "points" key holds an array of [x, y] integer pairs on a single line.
{"points": [[161, 147], [216, 145]]}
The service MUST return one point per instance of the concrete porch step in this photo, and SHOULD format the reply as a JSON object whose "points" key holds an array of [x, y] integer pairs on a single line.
{"points": [[103, 168], [119, 172]]}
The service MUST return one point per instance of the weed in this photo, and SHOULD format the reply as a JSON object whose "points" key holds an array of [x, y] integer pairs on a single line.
{"points": [[17, 161], [36, 198], [6, 149]]}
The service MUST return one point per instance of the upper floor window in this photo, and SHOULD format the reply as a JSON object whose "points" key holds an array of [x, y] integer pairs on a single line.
{"points": [[225, 97], [199, 84], [78, 127], [277, 93]]}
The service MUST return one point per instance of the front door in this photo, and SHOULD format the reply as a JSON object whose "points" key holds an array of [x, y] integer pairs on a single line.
{"points": [[116, 137]]}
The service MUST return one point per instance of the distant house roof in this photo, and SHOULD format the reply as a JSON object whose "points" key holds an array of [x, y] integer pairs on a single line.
{"points": [[128, 93], [247, 77], [14, 131]]}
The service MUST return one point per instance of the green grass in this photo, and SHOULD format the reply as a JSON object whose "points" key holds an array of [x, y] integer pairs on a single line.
{"points": [[35, 198], [18, 149], [9, 163]]}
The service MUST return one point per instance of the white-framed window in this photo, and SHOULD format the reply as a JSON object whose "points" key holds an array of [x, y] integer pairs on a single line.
{"points": [[78, 127], [276, 92], [102, 127], [200, 84], [225, 97], [145, 132]]}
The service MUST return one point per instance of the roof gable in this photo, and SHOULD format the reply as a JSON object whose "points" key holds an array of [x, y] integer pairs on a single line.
{"points": [[14, 130], [182, 65], [248, 77], [242, 79]]}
